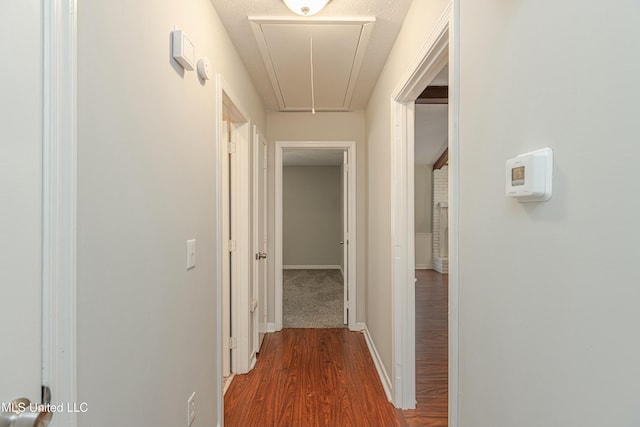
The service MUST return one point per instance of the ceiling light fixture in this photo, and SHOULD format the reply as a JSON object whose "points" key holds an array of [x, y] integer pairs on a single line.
{"points": [[306, 7]]}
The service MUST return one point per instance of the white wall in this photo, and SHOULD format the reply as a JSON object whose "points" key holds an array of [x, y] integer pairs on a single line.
{"points": [[419, 22], [423, 194], [549, 314], [311, 215], [347, 126], [440, 195], [146, 326], [20, 198]]}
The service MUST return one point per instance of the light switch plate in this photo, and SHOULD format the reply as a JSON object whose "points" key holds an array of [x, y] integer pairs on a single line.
{"points": [[191, 253]]}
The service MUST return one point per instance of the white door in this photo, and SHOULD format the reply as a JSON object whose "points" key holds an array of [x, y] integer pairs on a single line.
{"points": [[226, 251], [345, 233], [259, 290], [21, 151]]}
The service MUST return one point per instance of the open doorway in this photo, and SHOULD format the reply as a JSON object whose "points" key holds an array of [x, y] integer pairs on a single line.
{"points": [[313, 279], [439, 49], [315, 238], [431, 254], [430, 174]]}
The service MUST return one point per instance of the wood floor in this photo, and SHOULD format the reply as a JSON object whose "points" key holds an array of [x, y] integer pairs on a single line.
{"points": [[310, 377], [432, 353], [325, 377]]}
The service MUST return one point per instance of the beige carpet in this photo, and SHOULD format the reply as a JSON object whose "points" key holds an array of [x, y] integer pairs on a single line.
{"points": [[312, 299]]}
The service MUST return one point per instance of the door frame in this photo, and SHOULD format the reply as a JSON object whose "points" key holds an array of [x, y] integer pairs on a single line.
{"points": [[350, 147], [440, 47], [59, 205], [260, 179], [241, 204], [344, 189]]}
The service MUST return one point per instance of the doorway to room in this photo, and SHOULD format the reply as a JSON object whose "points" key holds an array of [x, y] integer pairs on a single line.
{"points": [[315, 239], [431, 253], [312, 239], [439, 49]]}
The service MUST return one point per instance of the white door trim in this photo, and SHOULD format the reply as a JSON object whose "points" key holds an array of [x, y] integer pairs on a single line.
{"points": [[223, 189], [350, 147], [219, 123], [344, 178], [59, 174], [440, 48], [241, 210], [260, 243], [241, 226]]}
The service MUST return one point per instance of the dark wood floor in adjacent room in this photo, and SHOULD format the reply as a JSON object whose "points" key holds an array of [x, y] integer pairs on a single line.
{"points": [[432, 351], [310, 377], [326, 377]]}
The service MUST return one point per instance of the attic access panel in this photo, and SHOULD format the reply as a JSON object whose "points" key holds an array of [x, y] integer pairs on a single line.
{"points": [[338, 49]]}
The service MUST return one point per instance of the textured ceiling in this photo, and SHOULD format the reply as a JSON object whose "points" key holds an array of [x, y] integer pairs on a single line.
{"points": [[389, 15]]}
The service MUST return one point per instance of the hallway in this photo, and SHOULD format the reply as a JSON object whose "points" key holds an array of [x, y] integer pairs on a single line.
{"points": [[325, 377], [310, 377]]}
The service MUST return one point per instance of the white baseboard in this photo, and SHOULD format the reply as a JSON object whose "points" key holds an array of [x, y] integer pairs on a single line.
{"points": [[424, 266], [271, 327], [382, 373], [311, 267], [227, 383]]}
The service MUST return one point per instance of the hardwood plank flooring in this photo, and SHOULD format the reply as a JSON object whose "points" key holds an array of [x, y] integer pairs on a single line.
{"points": [[310, 377], [325, 377], [432, 351]]}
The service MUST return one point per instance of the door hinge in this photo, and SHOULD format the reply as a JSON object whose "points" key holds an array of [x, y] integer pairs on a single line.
{"points": [[346, 167], [231, 147], [45, 397], [232, 245], [232, 342]]}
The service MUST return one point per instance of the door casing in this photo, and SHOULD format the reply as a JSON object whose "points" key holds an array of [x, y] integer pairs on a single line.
{"points": [[59, 245], [260, 238]]}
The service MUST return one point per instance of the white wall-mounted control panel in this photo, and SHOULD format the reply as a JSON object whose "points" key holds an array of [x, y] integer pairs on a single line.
{"points": [[183, 50], [529, 176]]}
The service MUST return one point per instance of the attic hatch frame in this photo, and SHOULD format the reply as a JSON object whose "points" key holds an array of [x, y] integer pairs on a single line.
{"points": [[366, 25], [441, 47]]}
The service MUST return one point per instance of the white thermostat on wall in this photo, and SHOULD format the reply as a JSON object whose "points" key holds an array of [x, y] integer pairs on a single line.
{"points": [[529, 176], [183, 50]]}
